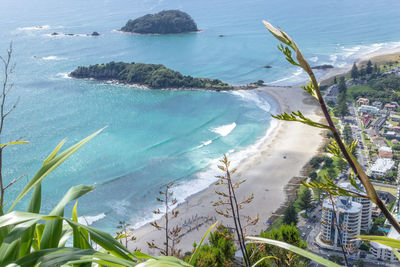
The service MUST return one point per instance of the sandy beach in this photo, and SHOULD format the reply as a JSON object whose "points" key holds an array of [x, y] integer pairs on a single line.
{"points": [[280, 158], [269, 172]]}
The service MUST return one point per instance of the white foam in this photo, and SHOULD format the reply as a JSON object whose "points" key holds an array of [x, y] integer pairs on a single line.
{"points": [[207, 142], [88, 220], [252, 96], [224, 130], [347, 55], [53, 58], [294, 77], [204, 179], [313, 59], [64, 75], [34, 28], [67, 35]]}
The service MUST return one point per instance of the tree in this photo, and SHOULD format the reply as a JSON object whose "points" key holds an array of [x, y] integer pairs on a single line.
{"points": [[286, 233], [363, 71], [342, 88], [290, 215], [391, 176], [347, 134], [342, 109], [305, 199], [313, 175], [354, 72], [369, 68], [315, 162], [376, 69], [171, 234], [331, 173], [342, 164], [328, 161], [220, 251]]}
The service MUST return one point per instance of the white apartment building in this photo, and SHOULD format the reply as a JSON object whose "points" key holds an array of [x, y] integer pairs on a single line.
{"points": [[366, 211], [347, 217]]}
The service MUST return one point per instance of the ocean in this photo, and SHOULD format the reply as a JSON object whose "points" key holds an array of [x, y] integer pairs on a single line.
{"points": [[155, 137]]}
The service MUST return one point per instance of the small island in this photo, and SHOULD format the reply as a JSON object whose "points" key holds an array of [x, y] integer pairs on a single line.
{"points": [[323, 67], [154, 76], [164, 22]]}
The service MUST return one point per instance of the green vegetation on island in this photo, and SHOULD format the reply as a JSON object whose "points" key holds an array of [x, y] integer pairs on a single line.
{"points": [[155, 76], [164, 22]]}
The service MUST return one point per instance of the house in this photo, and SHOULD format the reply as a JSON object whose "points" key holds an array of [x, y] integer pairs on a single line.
{"points": [[390, 135], [395, 117], [368, 109], [365, 118], [377, 104], [362, 101], [395, 103], [390, 107], [396, 129], [385, 152]]}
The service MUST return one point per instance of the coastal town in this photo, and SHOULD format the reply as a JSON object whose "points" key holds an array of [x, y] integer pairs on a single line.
{"points": [[364, 105]]}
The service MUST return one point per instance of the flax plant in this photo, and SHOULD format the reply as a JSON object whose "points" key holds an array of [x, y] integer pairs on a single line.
{"points": [[230, 206], [171, 234]]}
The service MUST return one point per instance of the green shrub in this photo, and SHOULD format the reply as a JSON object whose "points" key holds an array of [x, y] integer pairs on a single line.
{"points": [[286, 233]]}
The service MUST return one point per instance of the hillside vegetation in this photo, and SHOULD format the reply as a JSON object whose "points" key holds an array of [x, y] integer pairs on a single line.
{"points": [[151, 75]]}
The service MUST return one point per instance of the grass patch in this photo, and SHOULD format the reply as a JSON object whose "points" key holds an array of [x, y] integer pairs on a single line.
{"points": [[300, 192], [390, 190], [358, 90], [276, 224]]}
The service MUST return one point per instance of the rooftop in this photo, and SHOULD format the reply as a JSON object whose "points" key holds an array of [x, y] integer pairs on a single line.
{"points": [[342, 205], [382, 165], [385, 149]]}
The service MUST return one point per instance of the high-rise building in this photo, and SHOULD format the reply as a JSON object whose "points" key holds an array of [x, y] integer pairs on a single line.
{"points": [[366, 212], [345, 214]]}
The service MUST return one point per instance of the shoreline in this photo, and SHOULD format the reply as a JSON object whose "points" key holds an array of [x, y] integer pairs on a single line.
{"points": [[277, 149], [254, 167]]}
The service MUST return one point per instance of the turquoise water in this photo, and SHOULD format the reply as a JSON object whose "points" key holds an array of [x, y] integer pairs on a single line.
{"points": [[154, 137]]}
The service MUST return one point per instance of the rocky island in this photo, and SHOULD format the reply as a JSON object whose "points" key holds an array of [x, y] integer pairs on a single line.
{"points": [[164, 22], [155, 76]]}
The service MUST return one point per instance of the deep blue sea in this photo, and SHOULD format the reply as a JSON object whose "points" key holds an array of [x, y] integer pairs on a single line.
{"points": [[156, 136]]}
